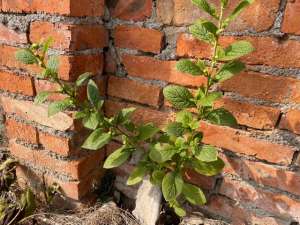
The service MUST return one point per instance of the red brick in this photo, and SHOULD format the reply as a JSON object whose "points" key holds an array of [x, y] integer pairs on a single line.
{"points": [[291, 23], [63, 7], [260, 16], [263, 174], [291, 121], [110, 63], [136, 10], [134, 91], [11, 36], [76, 190], [147, 40], [260, 117], [240, 142], [70, 37], [141, 115], [21, 131], [37, 113], [153, 69], [234, 212], [266, 87], [45, 85], [16, 83], [77, 168], [201, 181], [276, 203], [269, 51]]}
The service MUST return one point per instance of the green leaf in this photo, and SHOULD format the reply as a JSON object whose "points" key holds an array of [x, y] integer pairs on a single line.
{"points": [[28, 202], [41, 97], [26, 56], [193, 194], [187, 66], [97, 140], [92, 121], [230, 69], [47, 44], [53, 64], [59, 106], [207, 153], [146, 131], [123, 115], [178, 209], [224, 3], [222, 117], [157, 177], [209, 8], [162, 152], [137, 175], [179, 97], [175, 129], [235, 51], [172, 186], [187, 120], [117, 158], [93, 94], [204, 31], [83, 78], [208, 168], [237, 11], [210, 99]]}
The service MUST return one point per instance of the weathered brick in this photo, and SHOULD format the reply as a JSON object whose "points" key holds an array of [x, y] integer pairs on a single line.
{"points": [[260, 16], [291, 121], [263, 174], [144, 39], [269, 51], [201, 181], [76, 190], [134, 91], [76, 168], [136, 10], [266, 87], [240, 142], [63, 7], [291, 23], [21, 131], [153, 69], [235, 213], [70, 37], [260, 117], [16, 83], [272, 202], [37, 113], [10, 36], [45, 85]]}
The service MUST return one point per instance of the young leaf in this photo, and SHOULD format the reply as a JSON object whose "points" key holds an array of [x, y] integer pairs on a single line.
{"points": [[59, 106], [235, 51], [83, 78], [161, 153], [179, 97], [207, 153], [117, 158], [236, 12], [210, 99], [187, 66], [172, 186], [26, 56], [157, 176], [230, 69], [185, 118], [208, 168], [123, 115], [46, 45], [204, 31], [224, 3], [177, 208], [53, 64], [222, 117], [137, 175], [93, 94], [175, 129], [209, 8], [41, 97], [97, 140], [146, 131], [92, 121], [193, 194]]}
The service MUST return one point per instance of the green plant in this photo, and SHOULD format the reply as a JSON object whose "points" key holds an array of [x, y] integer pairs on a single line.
{"points": [[167, 153]]}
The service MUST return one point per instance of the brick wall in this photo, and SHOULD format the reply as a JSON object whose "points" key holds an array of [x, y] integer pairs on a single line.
{"points": [[261, 181]]}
